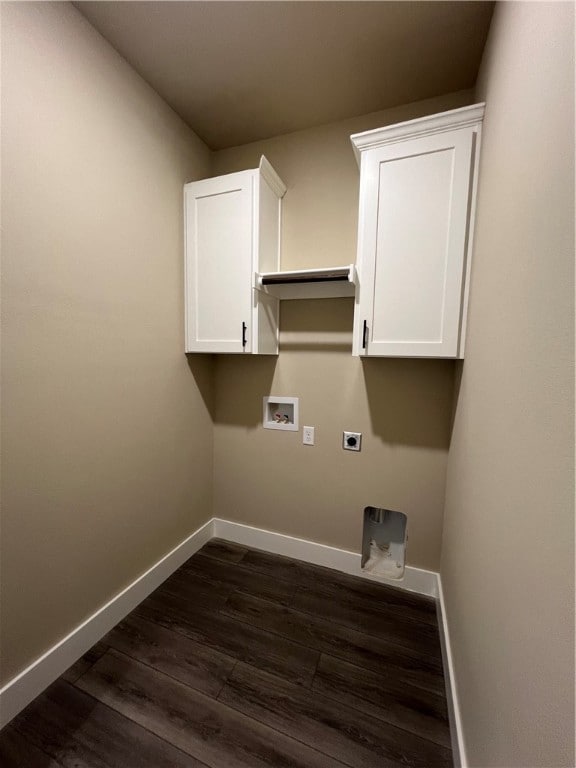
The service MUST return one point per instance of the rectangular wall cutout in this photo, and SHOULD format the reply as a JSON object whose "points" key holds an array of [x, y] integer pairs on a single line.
{"points": [[280, 413], [384, 542]]}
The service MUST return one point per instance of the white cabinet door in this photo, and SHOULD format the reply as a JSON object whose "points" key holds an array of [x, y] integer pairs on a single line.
{"points": [[414, 216], [219, 267]]}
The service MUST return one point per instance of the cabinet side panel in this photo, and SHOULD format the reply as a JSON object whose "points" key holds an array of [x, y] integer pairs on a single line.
{"points": [[475, 165], [268, 246], [266, 323], [266, 309]]}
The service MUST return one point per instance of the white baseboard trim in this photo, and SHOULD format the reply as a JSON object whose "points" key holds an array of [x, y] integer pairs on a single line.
{"points": [[24, 688], [30, 683], [415, 579], [456, 732]]}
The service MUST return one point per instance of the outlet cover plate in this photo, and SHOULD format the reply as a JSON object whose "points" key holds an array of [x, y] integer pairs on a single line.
{"points": [[308, 435]]}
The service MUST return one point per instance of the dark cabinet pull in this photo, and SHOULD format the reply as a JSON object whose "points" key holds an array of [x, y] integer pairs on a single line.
{"points": [[364, 332], [243, 335]]}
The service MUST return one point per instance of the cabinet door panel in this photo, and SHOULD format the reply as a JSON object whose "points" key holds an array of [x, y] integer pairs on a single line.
{"points": [[218, 261], [415, 243]]}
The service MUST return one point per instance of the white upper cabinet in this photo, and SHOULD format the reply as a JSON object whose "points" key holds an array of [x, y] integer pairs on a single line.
{"points": [[417, 195], [232, 232]]}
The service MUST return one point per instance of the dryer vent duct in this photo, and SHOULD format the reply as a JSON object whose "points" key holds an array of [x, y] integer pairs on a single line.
{"points": [[384, 542]]}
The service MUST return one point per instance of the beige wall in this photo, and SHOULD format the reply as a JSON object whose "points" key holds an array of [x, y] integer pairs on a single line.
{"points": [[402, 407], [107, 458], [508, 550]]}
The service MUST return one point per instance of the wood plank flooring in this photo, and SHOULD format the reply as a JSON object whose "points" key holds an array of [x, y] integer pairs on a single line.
{"points": [[243, 659]]}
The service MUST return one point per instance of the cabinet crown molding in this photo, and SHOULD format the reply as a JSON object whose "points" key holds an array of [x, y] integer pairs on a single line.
{"points": [[463, 117], [270, 175]]}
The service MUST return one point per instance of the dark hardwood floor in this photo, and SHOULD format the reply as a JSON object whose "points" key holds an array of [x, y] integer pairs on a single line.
{"points": [[246, 659]]}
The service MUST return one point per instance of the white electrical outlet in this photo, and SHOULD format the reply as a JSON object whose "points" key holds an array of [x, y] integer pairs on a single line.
{"points": [[308, 435]]}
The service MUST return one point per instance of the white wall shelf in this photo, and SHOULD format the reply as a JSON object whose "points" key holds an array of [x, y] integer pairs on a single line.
{"points": [[325, 283]]}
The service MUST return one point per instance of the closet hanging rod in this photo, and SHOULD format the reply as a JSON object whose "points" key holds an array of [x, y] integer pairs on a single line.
{"points": [[276, 279]]}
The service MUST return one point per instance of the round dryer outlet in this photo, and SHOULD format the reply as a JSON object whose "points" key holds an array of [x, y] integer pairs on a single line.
{"points": [[351, 441]]}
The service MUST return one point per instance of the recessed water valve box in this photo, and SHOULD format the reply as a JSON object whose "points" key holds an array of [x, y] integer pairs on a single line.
{"points": [[280, 413], [352, 441]]}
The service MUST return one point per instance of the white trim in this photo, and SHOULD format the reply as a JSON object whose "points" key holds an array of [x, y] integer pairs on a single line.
{"points": [[464, 117], [24, 688], [456, 731], [415, 579], [472, 204]]}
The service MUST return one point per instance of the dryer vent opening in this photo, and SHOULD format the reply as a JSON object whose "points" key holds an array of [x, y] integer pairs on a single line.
{"points": [[384, 542]]}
